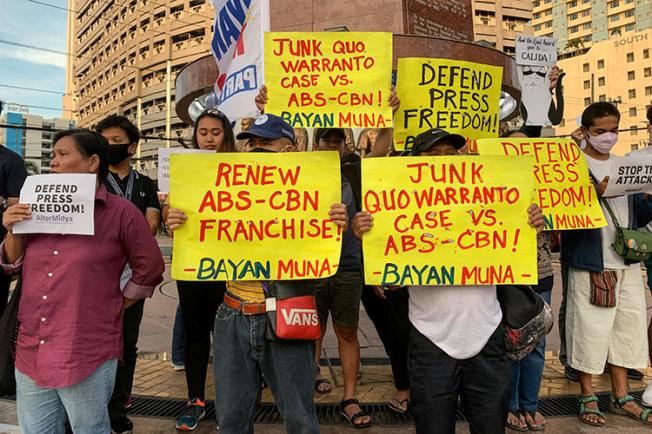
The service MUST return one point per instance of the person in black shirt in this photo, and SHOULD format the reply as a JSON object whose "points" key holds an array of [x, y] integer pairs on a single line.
{"points": [[123, 138], [12, 177]]}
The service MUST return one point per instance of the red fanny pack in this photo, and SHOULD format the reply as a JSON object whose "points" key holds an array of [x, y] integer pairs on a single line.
{"points": [[293, 318]]}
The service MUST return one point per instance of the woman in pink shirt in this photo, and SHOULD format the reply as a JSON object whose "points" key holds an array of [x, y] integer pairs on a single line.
{"points": [[69, 340]]}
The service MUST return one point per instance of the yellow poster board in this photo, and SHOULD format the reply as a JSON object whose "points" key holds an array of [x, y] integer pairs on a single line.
{"points": [[329, 79], [458, 220], [453, 95], [255, 216], [563, 187]]}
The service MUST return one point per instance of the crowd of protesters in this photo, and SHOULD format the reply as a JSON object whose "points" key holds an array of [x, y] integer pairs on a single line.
{"points": [[83, 297]]}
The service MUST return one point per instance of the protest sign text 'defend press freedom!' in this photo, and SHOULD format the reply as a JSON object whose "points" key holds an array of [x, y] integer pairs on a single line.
{"points": [[456, 96], [60, 203], [255, 216], [563, 188], [458, 220], [329, 79]]}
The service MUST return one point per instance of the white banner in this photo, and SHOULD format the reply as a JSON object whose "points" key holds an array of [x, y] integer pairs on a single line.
{"points": [[164, 164], [237, 45], [60, 203], [630, 175], [535, 51]]}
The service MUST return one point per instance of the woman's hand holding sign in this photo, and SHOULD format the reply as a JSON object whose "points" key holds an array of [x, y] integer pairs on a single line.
{"points": [[14, 214]]}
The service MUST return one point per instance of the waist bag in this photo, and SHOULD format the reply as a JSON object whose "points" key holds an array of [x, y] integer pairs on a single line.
{"points": [[291, 311]]}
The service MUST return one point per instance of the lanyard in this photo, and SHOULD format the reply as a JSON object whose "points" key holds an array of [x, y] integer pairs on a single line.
{"points": [[116, 186]]}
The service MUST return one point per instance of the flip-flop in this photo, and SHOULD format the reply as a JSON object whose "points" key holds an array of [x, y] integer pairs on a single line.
{"points": [[397, 405], [533, 426], [513, 427], [321, 381], [354, 417]]}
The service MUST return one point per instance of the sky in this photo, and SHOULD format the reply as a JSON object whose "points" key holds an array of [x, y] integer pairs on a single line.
{"points": [[30, 23]]}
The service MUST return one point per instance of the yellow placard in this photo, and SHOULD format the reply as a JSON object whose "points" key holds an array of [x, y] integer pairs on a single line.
{"points": [[456, 96], [455, 220], [255, 216], [563, 187], [329, 79]]}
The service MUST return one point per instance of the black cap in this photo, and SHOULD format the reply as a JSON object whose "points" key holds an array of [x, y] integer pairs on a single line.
{"points": [[320, 133], [428, 139]]}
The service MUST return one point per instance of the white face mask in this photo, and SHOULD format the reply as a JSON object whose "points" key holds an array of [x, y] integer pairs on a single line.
{"points": [[604, 142]]}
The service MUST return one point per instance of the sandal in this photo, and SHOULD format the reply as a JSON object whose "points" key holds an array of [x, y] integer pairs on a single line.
{"points": [[534, 426], [583, 400], [354, 417], [520, 418], [401, 407], [323, 391], [617, 405]]}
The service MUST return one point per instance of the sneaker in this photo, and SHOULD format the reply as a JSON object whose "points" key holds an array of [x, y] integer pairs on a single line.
{"points": [[122, 426], [178, 366], [194, 412], [646, 400], [571, 374]]}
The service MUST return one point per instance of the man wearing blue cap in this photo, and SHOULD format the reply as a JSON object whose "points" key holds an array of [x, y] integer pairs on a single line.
{"points": [[242, 352]]}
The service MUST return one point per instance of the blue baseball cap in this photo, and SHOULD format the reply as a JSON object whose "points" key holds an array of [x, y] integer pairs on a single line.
{"points": [[268, 127]]}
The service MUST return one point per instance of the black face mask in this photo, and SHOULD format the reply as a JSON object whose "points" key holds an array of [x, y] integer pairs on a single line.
{"points": [[117, 153], [262, 150]]}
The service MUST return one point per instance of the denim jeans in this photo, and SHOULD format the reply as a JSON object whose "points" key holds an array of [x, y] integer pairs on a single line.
{"points": [[526, 375], [241, 355], [178, 339], [42, 410]]}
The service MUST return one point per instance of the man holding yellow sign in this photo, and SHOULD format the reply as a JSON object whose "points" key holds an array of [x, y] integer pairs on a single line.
{"points": [[456, 344]]}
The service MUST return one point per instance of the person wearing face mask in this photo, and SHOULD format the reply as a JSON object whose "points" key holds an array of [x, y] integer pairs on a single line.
{"points": [[123, 181], [595, 333], [242, 352], [199, 300], [70, 314]]}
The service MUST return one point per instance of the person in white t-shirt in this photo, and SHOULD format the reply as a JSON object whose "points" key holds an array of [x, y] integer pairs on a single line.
{"points": [[456, 346], [595, 333]]}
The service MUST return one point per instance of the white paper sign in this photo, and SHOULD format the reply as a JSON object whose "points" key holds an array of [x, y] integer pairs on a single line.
{"points": [[164, 164], [60, 203], [535, 51], [630, 175]]}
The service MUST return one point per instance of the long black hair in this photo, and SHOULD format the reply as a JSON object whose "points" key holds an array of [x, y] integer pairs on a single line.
{"points": [[228, 145], [88, 143]]}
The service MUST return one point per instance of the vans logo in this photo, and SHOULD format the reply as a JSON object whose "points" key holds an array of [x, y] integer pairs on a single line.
{"points": [[300, 317]]}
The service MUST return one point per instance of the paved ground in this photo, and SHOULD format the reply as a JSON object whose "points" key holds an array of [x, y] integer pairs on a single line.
{"points": [[142, 425], [155, 376]]}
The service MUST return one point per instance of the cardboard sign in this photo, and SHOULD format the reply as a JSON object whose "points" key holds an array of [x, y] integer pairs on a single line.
{"points": [[60, 203], [458, 220], [535, 50], [256, 216], [164, 164], [456, 96], [329, 79], [630, 175], [563, 188]]}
